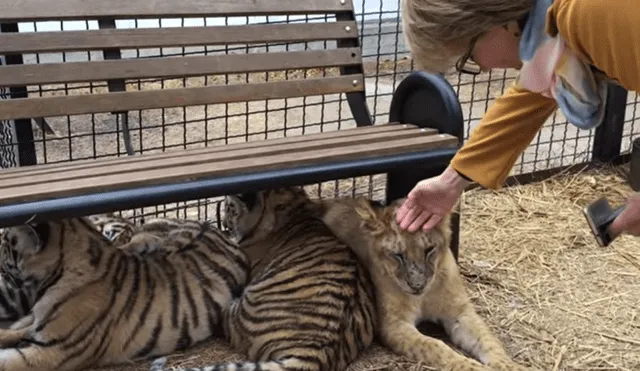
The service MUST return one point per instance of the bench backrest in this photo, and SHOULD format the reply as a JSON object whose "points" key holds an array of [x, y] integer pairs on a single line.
{"points": [[110, 76]]}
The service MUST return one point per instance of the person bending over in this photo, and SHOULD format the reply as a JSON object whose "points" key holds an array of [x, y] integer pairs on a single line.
{"points": [[566, 51]]}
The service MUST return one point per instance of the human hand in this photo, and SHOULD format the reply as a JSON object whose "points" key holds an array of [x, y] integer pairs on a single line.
{"points": [[629, 219], [430, 200]]}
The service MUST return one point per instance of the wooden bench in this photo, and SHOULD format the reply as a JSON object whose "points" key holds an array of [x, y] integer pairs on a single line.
{"points": [[93, 186]]}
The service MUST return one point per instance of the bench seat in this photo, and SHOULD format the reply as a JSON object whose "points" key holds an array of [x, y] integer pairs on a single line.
{"points": [[93, 186]]}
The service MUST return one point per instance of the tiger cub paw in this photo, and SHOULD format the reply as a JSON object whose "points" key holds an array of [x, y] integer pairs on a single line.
{"points": [[158, 364], [10, 338]]}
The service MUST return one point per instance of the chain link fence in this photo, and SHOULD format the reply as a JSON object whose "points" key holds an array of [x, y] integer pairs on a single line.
{"points": [[386, 62]]}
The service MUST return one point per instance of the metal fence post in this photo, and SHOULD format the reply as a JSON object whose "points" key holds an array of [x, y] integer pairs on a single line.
{"points": [[23, 128], [116, 85], [607, 141]]}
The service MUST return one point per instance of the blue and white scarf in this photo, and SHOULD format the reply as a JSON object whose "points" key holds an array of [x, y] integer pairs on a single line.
{"points": [[552, 69]]}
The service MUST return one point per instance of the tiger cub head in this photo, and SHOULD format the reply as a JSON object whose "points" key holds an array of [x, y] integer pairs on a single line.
{"points": [[116, 229], [31, 254], [410, 260], [256, 214], [25, 257]]}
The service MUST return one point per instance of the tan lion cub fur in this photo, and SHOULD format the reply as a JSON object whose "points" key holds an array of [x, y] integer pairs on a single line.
{"points": [[416, 278]]}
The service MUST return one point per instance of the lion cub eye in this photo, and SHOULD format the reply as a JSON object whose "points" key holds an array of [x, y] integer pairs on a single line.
{"points": [[399, 257], [428, 251]]}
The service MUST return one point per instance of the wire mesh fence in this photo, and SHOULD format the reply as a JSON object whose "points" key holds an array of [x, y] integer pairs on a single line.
{"points": [[386, 63]]}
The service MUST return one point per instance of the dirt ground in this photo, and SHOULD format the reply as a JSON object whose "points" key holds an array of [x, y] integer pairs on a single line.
{"points": [[534, 272]]}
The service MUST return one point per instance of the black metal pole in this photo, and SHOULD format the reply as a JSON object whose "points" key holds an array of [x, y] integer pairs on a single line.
{"points": [[24, 130], [608, 136]]}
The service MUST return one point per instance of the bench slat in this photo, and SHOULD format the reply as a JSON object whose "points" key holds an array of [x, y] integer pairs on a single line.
{"points": [[220, 154], [174, 67], [10, 173], [217, 166], [41, 10], [33, 42], [163, 98]]}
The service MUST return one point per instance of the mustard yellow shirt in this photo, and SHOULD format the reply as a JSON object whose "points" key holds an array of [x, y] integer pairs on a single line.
{"points": [[606, 33]]}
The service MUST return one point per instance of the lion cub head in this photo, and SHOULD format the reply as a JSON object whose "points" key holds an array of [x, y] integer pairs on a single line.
{"points": [[410, 260]]}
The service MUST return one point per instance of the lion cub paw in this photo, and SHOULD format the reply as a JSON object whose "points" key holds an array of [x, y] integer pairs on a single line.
{"points": [[470, 365]]}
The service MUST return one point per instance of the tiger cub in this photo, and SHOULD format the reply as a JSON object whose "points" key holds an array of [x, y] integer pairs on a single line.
{"points": [[16, 301], [416, 278], [148, 237], [116, 229], [309, 304], [103, 305]]}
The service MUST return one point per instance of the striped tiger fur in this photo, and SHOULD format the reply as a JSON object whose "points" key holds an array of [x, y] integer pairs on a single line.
{"points": [[116, 229], [103, 305], [16, 302], [309, 304], [149, 236], [159, 234]]}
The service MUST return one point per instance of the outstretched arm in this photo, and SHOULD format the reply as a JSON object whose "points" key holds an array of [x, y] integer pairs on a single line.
{"points": [[504, 133]]}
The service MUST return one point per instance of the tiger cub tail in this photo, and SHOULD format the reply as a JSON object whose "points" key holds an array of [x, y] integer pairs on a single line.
{"points": [[289, 364]]}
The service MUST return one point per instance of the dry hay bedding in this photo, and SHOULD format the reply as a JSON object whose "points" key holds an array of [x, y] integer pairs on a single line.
{"points": [[556, 299]]}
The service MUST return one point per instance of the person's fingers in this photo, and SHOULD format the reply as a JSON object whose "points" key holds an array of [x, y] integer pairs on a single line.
{"points": [[404, 209], [616, 227], [415, 192], [410, 217], [634, 198], [420, 220], [432, 222], [621, 223]]}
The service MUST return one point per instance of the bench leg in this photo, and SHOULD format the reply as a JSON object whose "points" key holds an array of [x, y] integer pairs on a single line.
{"points": [[428, 101]]}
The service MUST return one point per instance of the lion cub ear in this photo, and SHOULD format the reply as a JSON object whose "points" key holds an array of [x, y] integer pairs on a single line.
{"points": [[444, 228], [370, 221]]}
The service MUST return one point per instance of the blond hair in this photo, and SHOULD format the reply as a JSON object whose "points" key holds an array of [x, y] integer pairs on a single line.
{"points": [[438, 32]]}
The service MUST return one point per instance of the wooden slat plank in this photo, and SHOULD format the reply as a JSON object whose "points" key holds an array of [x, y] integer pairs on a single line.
{"points": [[87, 164], [135, 100], [127, 167], [221, 168], [42, 10], [174, 67], [34, 42]]}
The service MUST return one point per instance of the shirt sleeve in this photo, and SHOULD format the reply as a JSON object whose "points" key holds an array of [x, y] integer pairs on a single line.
{"points": [[505, 131], [606, 33]]}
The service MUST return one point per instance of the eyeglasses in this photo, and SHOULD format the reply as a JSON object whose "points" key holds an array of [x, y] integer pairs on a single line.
{"points": [[466, 64]]}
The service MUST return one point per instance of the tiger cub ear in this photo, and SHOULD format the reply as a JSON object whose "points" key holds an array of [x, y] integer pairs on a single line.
{"points": [[32, 237], [369, 219], [249, 199]]}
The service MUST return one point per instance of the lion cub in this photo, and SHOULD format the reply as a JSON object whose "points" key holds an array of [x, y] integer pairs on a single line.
{"points": [[416, 278]]}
